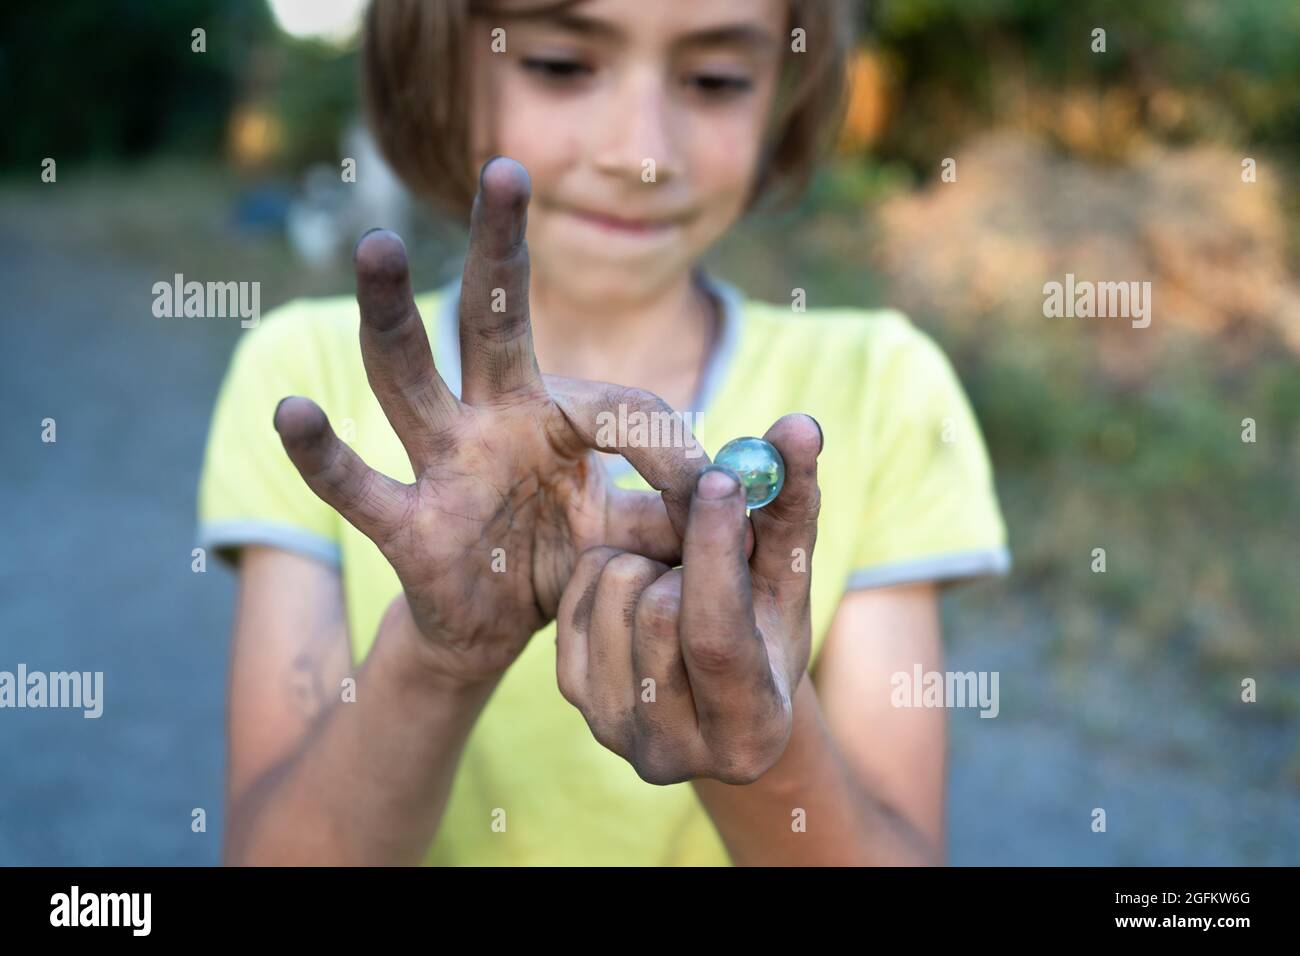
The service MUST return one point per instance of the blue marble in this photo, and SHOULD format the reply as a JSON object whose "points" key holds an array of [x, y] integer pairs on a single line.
{"points": [[759, 465]]}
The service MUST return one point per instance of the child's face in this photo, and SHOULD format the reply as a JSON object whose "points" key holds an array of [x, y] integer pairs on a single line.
{"points": [[641, 124]]}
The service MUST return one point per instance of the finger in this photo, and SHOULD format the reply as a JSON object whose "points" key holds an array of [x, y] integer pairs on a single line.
{"points": [[573, 623], [371, 502], [721, 646], [496, 335], [638, 521], [786, 530], [612, 684], [669, 459], [665, 708], [656, 650], [395, 349]]}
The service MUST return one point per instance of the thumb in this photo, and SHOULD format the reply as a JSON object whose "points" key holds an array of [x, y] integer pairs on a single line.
{"points": [[786, 530]]}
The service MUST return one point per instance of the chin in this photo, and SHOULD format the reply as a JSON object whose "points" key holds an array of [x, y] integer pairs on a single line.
{"points": [[585, 276], [611, 289]]}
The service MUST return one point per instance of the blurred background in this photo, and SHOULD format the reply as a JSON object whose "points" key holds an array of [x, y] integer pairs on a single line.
{"points": [[1120, 690]]}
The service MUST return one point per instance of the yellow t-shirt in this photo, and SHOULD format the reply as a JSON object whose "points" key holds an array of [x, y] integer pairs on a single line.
{"points": [[907, 495]]}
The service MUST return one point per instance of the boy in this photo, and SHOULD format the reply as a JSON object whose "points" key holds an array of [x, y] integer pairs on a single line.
{"points": [[734, 708]]}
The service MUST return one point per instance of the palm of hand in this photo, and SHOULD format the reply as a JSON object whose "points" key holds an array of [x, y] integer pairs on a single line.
{"points": [[508, 490]]}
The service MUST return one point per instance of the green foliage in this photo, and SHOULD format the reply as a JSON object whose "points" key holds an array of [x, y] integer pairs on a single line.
{"points": [[1235, 63], [117, 78], [1198, 525], [314, 99]]}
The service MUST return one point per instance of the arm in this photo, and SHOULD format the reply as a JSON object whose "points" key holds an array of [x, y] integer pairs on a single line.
{"points": [[869, 776], [315, 779], [506, 494]]}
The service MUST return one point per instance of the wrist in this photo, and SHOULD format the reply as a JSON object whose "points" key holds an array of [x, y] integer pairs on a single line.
{"points": [[426, 667]]}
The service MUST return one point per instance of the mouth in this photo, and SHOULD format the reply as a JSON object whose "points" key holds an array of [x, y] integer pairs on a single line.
{"points": [[624, 225]]}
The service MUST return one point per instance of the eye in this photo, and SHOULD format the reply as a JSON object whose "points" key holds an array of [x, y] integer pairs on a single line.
{"points": [[719, 86], [556, 69]]}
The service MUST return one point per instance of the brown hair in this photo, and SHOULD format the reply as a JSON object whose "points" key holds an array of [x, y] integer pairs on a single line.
{"points": [[415, 64]]}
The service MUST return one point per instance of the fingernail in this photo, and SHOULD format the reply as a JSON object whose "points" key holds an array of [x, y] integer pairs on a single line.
{"points": [[275, 416], [716, 481], [363, 239], [483, 169], [821, 435]]}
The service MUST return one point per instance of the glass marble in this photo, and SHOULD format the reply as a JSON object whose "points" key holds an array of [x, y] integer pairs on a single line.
{"points": [[759, 465]]}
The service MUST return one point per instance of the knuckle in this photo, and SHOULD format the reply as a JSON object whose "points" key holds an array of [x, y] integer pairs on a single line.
{"points": [[748, 762], [570, 688], [497, 236], [624, 571], [744, 745], [656, 764], [740, 773], [798, 506], [716, 652], [593, 559], [610, 732], [411, 371], [813, 502], [658, 612], [507, 326], [354, 491], [638, 398], [661, 773], [499, 333]]}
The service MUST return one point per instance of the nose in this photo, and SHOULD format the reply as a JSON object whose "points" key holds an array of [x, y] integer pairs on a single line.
{"points": [[635, 130]]}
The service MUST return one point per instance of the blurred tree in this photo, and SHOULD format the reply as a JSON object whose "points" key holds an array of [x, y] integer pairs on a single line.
{"points": [[118, 78], [1191, 68], [316, 95]]}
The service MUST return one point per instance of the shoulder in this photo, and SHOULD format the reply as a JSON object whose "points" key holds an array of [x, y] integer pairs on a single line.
{"points": [[878, 351], [302, 329], [311, 342]]}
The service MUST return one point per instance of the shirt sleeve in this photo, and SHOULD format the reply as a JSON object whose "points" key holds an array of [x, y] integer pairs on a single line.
{"points": [[932, 512], [249, 490]]}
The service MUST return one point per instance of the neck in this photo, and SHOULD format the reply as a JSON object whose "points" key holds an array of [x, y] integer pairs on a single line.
{"points": [[659, 343]]}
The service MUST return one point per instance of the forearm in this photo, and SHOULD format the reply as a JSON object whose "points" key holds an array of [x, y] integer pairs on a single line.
{"points": [[371, 780], [843, 824]]}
